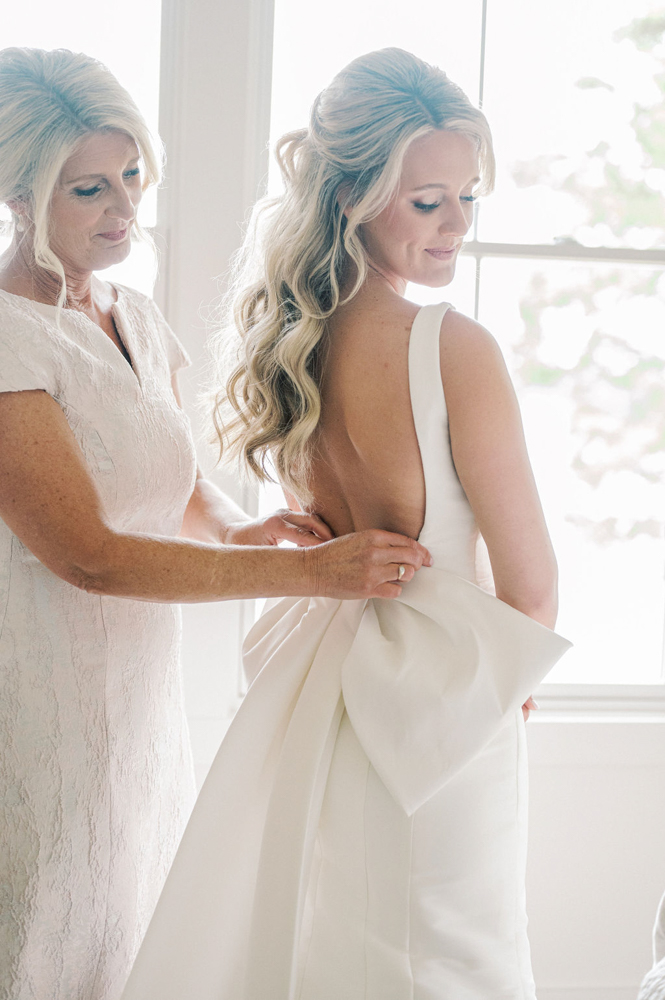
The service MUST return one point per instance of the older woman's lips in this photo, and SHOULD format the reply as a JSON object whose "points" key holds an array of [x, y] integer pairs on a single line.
{"points": [[443, 253], [119, 234]]}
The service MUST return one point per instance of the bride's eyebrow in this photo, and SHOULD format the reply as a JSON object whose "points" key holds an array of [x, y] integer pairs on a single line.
{"points": [[442, 187]]}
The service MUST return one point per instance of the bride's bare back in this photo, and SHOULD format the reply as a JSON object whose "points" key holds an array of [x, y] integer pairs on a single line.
{"points": [[367, 471]]}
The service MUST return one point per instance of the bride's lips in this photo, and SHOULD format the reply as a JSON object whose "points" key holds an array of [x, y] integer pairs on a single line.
{"points": [[442, 253], [119, 234]]}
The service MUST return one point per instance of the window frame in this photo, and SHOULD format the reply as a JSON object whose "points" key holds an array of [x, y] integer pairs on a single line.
{"points": [[575, 700], [188, 84]]}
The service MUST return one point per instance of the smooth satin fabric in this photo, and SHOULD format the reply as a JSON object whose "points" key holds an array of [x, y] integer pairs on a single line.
{"points": [[361, 834]]}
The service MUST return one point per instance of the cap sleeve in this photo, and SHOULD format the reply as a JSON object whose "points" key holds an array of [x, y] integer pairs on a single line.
{"points": [[143, 315], [176, 354], [26, 352]]}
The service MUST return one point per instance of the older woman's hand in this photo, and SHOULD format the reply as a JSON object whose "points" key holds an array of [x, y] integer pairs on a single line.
{"points": [[281, 526]]}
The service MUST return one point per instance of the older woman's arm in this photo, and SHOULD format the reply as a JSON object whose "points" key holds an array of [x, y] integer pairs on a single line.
{"points": [[213, 517], [49, 501]]}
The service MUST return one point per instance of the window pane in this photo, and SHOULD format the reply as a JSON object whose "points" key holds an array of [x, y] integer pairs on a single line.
{"points": [[577, 114], [125, 37], [586, 349]]}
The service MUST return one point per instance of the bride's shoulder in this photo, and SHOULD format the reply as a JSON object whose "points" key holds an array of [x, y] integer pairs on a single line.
{"points": [[471, 358], [460, 330], [464, 340]]}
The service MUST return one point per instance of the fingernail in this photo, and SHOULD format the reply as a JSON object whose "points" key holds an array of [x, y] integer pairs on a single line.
{"points": [[534, 703]]}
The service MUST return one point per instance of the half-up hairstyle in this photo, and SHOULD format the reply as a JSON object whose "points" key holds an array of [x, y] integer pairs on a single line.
{"points": [[49, 102], [287, 275]]}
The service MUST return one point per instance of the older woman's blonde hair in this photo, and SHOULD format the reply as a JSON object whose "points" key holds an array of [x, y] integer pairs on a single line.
{"points": [[340, 172], [49, 102]]}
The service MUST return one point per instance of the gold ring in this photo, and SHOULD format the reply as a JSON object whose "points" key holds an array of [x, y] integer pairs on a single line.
{"points": [[401, 570]]}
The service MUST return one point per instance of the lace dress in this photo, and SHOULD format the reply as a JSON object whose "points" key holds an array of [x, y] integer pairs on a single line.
{"points": [[361, 833], [96, 781]]}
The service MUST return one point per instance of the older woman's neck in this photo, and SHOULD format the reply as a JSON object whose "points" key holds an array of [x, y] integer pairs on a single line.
{"points": [[21, 275]]}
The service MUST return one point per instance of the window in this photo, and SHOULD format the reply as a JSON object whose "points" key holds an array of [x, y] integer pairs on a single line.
{"points": [[565, 268]]}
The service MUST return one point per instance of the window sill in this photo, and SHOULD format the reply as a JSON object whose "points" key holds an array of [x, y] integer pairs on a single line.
{"points": [[600, 702]]}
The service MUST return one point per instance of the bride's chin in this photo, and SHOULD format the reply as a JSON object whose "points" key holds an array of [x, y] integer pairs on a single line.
{"points": [[438, 281]]}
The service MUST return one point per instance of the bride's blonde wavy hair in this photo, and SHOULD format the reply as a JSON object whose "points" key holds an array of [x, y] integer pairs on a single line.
{"points": [[340, 172]]}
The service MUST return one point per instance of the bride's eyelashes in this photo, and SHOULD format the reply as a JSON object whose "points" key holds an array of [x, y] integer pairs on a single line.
{"points": [[423, 206]]}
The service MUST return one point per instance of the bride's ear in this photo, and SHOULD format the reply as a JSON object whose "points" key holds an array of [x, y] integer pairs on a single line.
{"points": [[344, 198]]}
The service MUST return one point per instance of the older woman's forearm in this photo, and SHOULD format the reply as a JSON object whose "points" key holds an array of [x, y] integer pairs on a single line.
{"points": [[178, 570], [175, 570]]}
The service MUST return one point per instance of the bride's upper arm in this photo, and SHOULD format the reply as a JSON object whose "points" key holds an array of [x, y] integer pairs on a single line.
{"points": [[492, 463]]}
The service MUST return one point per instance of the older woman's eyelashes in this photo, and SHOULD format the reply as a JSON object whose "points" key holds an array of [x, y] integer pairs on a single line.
{"points": [[87, 192], [90, 192]]}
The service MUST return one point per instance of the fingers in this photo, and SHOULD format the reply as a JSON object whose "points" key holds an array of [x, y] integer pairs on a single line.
{"points": [[387, 590], [309, 524], [396, 556], [291, 526], [392, 540], [300, 537], [396, 559], [368, 564]]}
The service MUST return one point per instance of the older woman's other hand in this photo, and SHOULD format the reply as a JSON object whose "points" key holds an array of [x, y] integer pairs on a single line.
{"points": [[281, 526]]}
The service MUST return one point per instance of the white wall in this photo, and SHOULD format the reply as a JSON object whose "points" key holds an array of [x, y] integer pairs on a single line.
{"points": [[597, 854]]}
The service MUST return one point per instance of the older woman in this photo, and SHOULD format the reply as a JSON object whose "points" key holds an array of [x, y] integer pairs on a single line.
{"points": [[97, 482]]}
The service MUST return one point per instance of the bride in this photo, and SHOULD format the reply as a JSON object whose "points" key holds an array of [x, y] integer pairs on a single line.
{"points": [[361, 835]]}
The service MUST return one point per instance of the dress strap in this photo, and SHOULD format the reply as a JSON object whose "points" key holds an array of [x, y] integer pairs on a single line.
{"points": [[428, 405], [425, 367]]}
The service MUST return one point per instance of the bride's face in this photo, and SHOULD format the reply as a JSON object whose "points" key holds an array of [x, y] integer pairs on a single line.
{"points": [[418, 235]]}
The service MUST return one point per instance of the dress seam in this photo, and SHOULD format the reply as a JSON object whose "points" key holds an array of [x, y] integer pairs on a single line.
{"points": [[97, 975], [9, 582], [300, 985], [409, 908], [366, 962], [520, 749]]}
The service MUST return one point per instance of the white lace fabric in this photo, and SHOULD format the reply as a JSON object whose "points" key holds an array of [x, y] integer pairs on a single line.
{"points": [[96, 779]]}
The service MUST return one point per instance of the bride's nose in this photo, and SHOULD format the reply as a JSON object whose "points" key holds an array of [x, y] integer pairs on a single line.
{"points": [[457, 220]]}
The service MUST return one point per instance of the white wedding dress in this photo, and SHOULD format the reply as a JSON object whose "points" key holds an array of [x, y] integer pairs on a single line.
{"points": [[361, 834]]}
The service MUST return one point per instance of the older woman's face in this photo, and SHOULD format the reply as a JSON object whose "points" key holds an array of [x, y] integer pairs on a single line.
{"points": [[417, 237], [94, 203]]}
